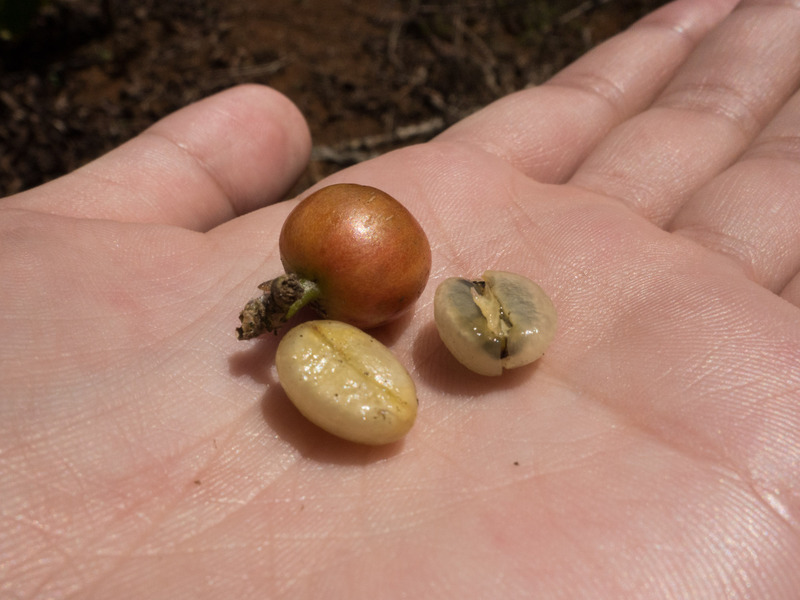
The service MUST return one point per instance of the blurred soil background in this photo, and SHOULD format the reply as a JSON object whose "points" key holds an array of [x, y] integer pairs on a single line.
{"points": [[79, 77]]}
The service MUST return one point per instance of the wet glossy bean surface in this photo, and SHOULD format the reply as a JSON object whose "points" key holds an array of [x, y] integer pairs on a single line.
{"points": [[346, 382]]}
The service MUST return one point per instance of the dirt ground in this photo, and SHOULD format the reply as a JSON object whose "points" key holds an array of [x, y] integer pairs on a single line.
{"points": [[369, 75]]}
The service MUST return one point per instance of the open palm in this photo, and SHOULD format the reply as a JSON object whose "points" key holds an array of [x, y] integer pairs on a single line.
{"points": [[652, 188]]}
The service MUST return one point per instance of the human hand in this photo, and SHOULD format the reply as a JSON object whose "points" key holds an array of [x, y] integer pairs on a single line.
{"points": [[652, 188]]}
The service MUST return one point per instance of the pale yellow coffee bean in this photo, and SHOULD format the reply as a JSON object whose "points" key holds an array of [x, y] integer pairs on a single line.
{"points": [[502, 322], [346, 382]]}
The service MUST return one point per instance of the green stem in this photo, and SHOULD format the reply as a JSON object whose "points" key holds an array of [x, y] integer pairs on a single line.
{"points": [[282, 298], [310, 293]]}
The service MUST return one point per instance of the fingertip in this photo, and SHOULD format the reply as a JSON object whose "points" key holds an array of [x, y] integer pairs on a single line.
{"points": [[204, 164], [252, 140]]}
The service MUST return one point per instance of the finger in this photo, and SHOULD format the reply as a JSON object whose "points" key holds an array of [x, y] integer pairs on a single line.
{"points": [[750, 212], [548, 130], [731, 86], [791, 293], [220, 157]]}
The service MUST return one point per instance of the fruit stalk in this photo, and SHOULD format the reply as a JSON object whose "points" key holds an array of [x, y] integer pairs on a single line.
{"points": [[282, 298]]}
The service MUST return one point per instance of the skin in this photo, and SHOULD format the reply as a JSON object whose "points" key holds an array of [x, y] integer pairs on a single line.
{"points": [[653, 188]]}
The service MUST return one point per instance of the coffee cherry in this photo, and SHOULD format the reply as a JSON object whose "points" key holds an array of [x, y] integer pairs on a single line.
{"points": [[353, 253]]}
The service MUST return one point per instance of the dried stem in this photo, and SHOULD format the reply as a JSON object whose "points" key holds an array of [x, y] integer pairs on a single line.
{"points": [[282, 298]]}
